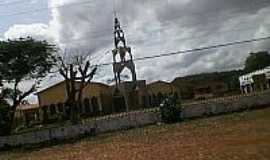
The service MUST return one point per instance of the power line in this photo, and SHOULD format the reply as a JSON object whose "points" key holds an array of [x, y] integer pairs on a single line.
{"points": [[13, 2], [131, 36], [187, 51], [3, 1], [246, 8], [124, 26], [195, 36], [85, 2], [200, 14], [46, 8], [160, 29], [195, 50], [186, 38]]}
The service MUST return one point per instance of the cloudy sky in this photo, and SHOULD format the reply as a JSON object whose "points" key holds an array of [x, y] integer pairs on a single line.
{"points": [[151, 27]]}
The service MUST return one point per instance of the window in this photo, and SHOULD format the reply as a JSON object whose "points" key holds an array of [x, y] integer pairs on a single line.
{"points": [[52, 109], [87, 106], [160, 98], [150, 101], [155, 100], [95, 105], [144, 101], [60, 107], [176, 96]]}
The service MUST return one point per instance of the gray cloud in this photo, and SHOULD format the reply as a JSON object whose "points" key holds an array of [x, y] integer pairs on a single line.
{"points": [[160, 26]]}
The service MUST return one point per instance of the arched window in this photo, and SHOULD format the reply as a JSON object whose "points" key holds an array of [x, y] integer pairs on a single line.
{"points": [[27, 119], [79, 106], [86, 103], [175, 95], [52, 109], [60, 107], [67, 109], [95, 105], [150, 101], [144, 101], [45, 113], [160, 98], [155, 100], [119, 104]]}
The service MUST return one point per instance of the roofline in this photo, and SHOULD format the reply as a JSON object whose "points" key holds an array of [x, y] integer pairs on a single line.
{"points": [[50, 87], [257, 72], [159, 81], [99, 83]]}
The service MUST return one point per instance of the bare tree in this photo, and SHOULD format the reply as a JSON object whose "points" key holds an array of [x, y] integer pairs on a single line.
{"points": [[77, 74]]}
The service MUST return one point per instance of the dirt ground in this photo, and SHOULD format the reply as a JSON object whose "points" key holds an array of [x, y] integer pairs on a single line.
{"points": [[240, 136]]}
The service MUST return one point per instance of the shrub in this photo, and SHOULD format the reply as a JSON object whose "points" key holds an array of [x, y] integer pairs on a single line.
{"points": [[171, 109]]}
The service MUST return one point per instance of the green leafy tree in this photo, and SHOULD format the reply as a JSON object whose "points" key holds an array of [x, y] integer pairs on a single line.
{"points": [[257, 61], [5, 94], [4, 119], [171, 109], [24, 59]]}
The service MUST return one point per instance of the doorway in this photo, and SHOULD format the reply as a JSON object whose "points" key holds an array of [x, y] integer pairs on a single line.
{"points": [[119, 104]]}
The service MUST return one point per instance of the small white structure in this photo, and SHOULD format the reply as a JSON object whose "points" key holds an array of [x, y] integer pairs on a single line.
{"points": [[247, 82]]}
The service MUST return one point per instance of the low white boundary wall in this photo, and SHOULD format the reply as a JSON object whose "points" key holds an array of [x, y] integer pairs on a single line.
{"points": [[136, 119], [91, 127]]}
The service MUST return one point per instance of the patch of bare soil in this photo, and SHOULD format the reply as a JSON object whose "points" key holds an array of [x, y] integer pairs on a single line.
{"points": [[241, 136]]}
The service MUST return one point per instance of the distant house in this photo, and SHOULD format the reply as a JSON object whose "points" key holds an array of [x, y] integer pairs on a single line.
{"points": [[95, 99], [255, 81], [201, 86], [98, 98], [210, 90], [160, 89], [185, 88], [27, 113]]}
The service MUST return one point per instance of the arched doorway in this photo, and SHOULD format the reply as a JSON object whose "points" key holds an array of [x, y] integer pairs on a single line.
{"points": [[95, 105], [60, 107], [150, 101], [160, 98], [67, 110], [155, 100], [52, 109], [45, 114], [86, 103], [119, 104], [176, 96], [144, 100]]}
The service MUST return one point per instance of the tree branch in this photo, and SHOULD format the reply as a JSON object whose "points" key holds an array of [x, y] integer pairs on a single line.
{"points": [[64, 74], [92, 73], [27, 93], [15, 93]]}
